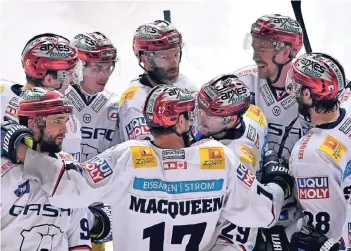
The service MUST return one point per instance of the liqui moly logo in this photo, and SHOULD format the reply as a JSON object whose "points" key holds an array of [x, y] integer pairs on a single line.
{"points": [[313, 188]]}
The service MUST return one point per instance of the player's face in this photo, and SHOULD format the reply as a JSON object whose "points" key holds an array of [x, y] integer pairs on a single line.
{"points": [[54, 133], [96, 76], [264, 52], [209, 125], [165, 65]]}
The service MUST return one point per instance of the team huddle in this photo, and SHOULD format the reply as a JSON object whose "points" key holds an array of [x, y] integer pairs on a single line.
{"points": [[254, 160]]}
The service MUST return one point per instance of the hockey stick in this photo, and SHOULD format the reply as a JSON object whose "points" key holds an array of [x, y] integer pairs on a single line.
{"points": [[167, 15], [296, 4]]}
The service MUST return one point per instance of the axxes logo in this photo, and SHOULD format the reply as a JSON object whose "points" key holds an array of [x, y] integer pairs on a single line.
{"points": [[311, 67], [96, 133], [54, 50], [287, 23], [245, 175], [234, 96], [98, 169], [313, 188], [136, 128]]}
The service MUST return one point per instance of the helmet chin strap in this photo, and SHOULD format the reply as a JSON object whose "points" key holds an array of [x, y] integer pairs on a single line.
{"points": [[280, 68]]}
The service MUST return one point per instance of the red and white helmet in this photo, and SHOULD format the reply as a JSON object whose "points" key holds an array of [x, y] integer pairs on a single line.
{"points": [[48, 52], [95, 47], [279, 29], [164, 104], [40, 102], [321, 73], [224, 96], [156, 36]]}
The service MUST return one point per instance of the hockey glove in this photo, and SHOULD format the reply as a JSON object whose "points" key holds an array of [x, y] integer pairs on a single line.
{"points": [[12, 134], [309, 239], [101, 230], [275, 170]]}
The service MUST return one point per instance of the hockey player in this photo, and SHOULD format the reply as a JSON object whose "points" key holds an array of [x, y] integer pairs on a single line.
{"points": [[158, 48], [48, 61], [162, 190], [224, 113], [94, 106], [28, 221], [320, 161], [275, 41]]}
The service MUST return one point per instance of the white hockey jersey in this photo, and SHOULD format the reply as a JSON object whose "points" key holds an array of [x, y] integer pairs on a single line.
{"points": [[321, 165], [163, 195], [280, 109], [132, 122], [249, 145], [10, 92], [28, 220], [99, 119]]}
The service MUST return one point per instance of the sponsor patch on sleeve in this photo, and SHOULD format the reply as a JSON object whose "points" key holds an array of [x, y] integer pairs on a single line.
{"points": [[98, 169], [256, 114], [212, 158], [22, 189], [247, 156], [310, 188], [245, 175], [137, 127], [129, 94], [143, 157], [334, 148]]}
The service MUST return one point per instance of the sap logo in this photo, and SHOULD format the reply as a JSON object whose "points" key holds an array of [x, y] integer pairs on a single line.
{"points": [[95, 133], [313, 188], [279, 130]]}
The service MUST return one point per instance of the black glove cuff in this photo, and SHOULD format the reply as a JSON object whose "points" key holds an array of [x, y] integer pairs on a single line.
{"points": [[102, 225], [282, 183]]}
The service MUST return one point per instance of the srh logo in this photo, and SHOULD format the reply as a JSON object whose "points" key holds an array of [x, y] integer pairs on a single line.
{"points": [[313, 188]]}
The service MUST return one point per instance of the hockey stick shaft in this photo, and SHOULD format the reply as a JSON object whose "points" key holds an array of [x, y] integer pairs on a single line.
{"points": [[167, 15], [296, 4]]}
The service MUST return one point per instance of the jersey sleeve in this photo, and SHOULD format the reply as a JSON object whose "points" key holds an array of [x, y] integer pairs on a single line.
{"points": [[78, 233], [74, 185], [249, 203], [73, 138]]}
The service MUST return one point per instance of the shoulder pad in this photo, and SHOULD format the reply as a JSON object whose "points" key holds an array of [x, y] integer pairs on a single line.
{"points": [[255, 113], [129, 94]]}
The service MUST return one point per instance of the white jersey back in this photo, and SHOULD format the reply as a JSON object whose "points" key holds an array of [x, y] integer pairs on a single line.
{"points": [[321, 165], [28, 220], [165, 199], [10, 94], [279, 108], [132, 122], [99, 120], [249, 148]]}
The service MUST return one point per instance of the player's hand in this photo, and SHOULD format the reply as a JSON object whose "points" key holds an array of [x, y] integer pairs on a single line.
{"points": [[275, 170], [309, 239], [101, 231], [12, 134]]}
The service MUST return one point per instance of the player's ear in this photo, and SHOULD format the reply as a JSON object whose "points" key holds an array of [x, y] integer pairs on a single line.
{"points": [[233, 121], [33, 125], [306, 96]]}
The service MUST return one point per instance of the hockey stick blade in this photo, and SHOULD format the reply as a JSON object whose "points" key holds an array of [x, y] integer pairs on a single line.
{"points": [[296, 4]]}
